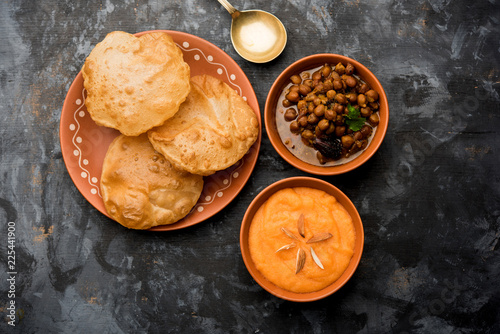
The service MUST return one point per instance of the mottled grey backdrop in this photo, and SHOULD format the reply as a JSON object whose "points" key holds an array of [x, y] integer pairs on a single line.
{"points": [[429, 198]]}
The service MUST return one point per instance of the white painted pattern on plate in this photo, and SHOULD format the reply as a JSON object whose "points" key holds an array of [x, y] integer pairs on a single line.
{"points": [[76, 140]]}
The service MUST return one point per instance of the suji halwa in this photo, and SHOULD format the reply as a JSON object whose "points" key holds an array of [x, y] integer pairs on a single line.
{"points": [[327, 115], [302, 239]]}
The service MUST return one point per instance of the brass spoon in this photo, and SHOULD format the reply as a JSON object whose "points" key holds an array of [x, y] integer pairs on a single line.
{"points": [[257, 36]]}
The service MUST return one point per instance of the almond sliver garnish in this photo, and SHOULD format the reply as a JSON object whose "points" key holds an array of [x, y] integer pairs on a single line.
{"points": [[301, 260], [319, 237], [316, 259], [293, 244], [300, 225], [289, 233]]}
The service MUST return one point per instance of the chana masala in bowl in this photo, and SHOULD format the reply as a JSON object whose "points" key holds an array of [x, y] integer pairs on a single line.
{"points": [[301, 239], [326, 114]]}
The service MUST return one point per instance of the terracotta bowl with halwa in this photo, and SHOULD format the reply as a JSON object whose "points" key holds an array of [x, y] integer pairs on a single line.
{"points": [[301, 239], [326, 114]]}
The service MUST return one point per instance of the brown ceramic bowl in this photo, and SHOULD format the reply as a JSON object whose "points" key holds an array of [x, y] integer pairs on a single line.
{"points": [[312, 62], [291, 183]]}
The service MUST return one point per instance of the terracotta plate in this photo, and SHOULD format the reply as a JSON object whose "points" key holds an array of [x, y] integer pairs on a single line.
{"points": [[84, 143]]}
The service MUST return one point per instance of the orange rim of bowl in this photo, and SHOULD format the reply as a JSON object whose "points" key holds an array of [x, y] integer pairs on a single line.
{"points": [[301, 181], [308, 63]]}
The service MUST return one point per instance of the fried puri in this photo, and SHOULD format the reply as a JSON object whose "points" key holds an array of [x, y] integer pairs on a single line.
{"points": [[135, 83], [212, 130], [141, 189]]}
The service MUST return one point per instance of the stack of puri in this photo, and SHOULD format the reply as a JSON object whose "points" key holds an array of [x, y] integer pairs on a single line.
{"points": [[174, 128]]}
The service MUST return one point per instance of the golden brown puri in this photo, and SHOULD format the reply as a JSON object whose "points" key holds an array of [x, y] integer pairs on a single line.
{"points": [[141, 189], [135, 83], [212, 130]]}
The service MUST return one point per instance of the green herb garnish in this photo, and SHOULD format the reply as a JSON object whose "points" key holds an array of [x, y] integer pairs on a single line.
{"points": [[353, 119]]}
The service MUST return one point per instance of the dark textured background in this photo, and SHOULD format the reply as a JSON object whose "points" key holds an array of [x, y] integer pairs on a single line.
{"points": [[429, 198]]}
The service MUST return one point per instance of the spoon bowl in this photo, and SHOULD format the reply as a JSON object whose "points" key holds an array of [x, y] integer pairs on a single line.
{"points": [[257, 36]]}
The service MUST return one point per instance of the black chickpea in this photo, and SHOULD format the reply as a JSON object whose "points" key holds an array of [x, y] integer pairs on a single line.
{"points": [[349, 69], [307, 134], [374, 105], [347, 141], [351, 81], [363, 88], [339, 130], [371, 95], [332, 109], [316, 75], [340, 98], [302, 121], [294, 127], [330, 114], [357, 135], [352, 97], [366, 130], [331, 94], [304, 89], [339, 109], [365, 112], [328, 85], [286, 103], [293, 96], [340, 68], [361, 99], [374, 119], [326, 70], [337, 84], [302, 105], [324, 124], [319, 110], [290, 114], [312, 118], [296, 79], [339, 120]]}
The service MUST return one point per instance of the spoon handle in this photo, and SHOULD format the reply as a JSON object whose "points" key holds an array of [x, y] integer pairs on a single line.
{"points": [[228, 6]]}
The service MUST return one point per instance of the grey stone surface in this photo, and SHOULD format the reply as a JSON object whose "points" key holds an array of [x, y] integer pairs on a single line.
{"points": [[429, 198]]}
